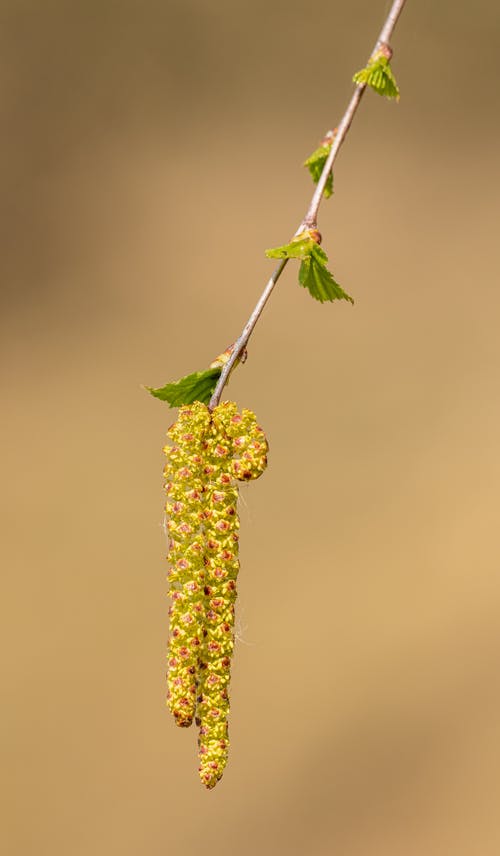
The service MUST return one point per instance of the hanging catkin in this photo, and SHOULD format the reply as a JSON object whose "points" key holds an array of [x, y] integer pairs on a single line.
{"points": [[211, 452]]}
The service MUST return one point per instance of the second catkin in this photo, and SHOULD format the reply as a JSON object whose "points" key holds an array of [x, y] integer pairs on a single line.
{"points": [[211, 452]]}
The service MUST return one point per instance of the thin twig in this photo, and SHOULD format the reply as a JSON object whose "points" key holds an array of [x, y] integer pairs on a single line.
{"points": [[310, 218]]}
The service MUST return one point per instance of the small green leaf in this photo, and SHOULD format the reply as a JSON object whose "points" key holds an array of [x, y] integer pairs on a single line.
{"points": [[378, 74], [198, 386], [299, 248], [313, 272], [315, 276], [315, 164]]}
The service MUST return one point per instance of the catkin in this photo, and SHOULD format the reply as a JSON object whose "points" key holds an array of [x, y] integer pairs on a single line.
{"points": [[212, 451], [184, 489]]}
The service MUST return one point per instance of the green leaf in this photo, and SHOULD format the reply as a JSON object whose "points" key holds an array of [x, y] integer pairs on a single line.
{"points": [[299, 248], [378, 74], [198, 386], [315, 276], [313, 272], [315, 164]]}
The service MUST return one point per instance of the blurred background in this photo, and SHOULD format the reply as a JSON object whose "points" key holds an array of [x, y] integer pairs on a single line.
{"points": [[151, 152]]}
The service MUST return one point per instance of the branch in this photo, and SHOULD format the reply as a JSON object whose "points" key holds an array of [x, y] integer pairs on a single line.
{"points": [[310, 218]]}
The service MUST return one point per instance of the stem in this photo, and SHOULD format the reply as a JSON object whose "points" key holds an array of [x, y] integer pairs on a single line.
{"points": [[390, 22], [310, 218]]}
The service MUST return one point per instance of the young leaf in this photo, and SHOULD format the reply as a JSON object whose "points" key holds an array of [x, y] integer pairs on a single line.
{"points": [[299, 248], [315, 164], [315, 276], [313, 273], [198, 386], [378, 74]]}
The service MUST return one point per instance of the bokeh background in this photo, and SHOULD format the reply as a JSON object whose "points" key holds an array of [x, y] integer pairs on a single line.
{"points": [[151, 152]]}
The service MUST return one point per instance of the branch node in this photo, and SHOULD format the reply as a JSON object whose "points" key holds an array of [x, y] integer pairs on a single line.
{"points": [[385, 49]]}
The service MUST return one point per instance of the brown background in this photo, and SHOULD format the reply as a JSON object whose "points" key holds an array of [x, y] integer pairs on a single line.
{"points": [[151, 152]]}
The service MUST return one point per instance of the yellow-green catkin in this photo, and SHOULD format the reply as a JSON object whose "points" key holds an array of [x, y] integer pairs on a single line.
{"points": [[184, 472], [232, 447], [237, 449]]}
